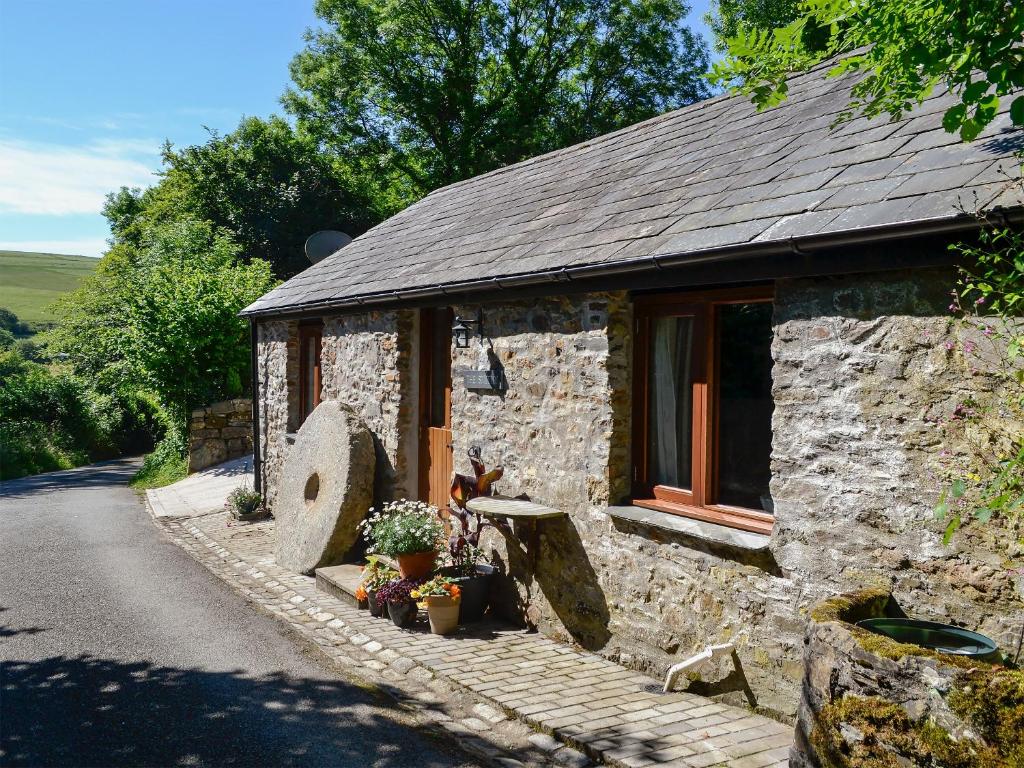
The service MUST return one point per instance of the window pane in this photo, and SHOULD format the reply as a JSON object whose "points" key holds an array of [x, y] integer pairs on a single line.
{"points": [[745, 405], [670, 387]]}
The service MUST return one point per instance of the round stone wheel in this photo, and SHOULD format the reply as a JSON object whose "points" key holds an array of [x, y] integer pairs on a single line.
{"points": [[326, 488]]}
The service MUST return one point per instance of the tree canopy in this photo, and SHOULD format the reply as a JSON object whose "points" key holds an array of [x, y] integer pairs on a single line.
{"points": [[418, 94], [266, 184], [725, 18], [903, 48], [164, 317]]}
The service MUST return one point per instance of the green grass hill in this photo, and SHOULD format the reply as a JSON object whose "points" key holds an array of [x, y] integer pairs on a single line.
{"points": [[31, 282]]}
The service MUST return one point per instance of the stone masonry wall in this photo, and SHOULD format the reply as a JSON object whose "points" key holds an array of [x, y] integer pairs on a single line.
{"points": [[219, 432], [278, 378], [862, 379], [861, 373], [367, 362], [633, 594]]}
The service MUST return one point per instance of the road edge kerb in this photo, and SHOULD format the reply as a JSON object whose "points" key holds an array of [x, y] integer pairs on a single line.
{"points": [[439, 703]]}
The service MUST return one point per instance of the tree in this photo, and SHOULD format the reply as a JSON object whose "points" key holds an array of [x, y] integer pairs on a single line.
{"points": [[164, 317], [183, 331], [725, 18], [418, 94], [267, 185], [903, 49]]}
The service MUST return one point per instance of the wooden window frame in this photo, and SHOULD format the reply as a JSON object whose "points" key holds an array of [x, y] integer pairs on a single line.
{"points": [[697, 502], [308, 331]]}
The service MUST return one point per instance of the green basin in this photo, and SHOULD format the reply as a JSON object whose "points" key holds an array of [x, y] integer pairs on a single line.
{"points": [[930, 634]]}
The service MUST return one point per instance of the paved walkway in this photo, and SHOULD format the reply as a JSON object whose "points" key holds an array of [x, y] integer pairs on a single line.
{"points": [[611, 714], [203, 492]]}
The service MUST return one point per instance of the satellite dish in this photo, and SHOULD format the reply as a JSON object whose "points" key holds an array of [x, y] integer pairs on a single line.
{"points": [[322, 244]]}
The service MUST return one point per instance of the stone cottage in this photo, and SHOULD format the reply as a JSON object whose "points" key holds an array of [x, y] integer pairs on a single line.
{"points": [[714, 339]]}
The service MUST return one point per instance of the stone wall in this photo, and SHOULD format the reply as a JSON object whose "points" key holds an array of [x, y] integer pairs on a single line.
{"points": [[862, 380], [367, 362], [219, 432], [640, 596], [278, 373], [861, 373]]}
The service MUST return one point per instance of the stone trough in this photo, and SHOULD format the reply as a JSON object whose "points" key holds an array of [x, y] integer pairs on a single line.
{"points": [[871, 702]]}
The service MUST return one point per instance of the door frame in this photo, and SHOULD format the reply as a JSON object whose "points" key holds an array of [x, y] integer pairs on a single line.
{"points": [[434, 322]]}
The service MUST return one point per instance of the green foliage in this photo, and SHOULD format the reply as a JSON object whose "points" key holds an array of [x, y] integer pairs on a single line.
{"points": [[895, 46], [725, 18], [270, 187], [263, 183], [166, 464], [987, 480], [417, 94], [243, 501], [183, 333], [164, 317], [51, 419], [376, 574]]}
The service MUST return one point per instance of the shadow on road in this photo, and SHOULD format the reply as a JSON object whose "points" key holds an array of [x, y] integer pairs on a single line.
{"points": [[117, 472], [89, 711]]}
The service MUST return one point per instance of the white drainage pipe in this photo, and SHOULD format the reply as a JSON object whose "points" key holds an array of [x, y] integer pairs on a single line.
{"points": [[692, 663]]}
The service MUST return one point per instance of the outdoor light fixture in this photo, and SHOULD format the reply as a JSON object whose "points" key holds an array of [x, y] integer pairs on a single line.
{"points": [[461, 329]]}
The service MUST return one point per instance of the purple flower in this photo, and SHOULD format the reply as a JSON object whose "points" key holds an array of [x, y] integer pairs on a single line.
{"points": [[950, 346]]}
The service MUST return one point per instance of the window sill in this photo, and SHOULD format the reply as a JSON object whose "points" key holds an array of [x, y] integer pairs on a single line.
{"points": [[688, 526], [727, 517]]}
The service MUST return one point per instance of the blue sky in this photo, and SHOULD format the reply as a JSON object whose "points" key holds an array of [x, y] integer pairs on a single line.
{"points": [[90, 89]]}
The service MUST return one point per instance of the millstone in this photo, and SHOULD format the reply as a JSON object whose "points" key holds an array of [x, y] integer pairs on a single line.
{"points": [[326, 488]]}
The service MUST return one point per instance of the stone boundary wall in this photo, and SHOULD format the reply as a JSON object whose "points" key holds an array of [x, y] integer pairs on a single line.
{"points": [[219, 433]]}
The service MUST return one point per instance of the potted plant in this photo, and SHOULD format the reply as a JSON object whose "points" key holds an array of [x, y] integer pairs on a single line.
{"points": [[411, 532], [397, 595], [465, 560], [245, 504], [442, 599], [375, 575]]}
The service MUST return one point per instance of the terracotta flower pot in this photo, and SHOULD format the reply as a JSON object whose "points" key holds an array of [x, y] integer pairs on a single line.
{"points": [[417, 565], [402, 614], [443, 612]]}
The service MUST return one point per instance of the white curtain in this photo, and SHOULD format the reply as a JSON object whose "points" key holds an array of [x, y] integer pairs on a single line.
{"points": [[671, 404]]}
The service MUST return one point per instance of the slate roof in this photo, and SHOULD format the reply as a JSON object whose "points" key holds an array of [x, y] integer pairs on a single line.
{"points": [[712, 176]]}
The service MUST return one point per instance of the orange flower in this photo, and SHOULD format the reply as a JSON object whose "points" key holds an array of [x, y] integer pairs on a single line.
{"points": [[454, 590], [360, 593]]}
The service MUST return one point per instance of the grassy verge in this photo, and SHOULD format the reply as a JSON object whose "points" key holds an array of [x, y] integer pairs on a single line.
{"points": [[161, 472]]}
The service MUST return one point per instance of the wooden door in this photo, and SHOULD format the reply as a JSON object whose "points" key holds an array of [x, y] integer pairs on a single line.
{"points": [[310, 382], [436, 465]]}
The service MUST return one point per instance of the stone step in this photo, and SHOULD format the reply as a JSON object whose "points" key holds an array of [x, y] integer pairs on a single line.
{"points": [[340, 581]]}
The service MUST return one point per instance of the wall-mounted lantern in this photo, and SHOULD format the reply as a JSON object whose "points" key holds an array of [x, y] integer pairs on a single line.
{"points": [[461, 329]]}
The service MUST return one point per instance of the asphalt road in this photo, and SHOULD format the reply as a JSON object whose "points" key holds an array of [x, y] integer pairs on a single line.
{"points": [[116, 648]]}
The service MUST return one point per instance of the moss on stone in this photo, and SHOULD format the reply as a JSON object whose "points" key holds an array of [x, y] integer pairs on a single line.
{"points": [[887, 648], [880, 734], [853, 606], [871, 603], [992, 700]]}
